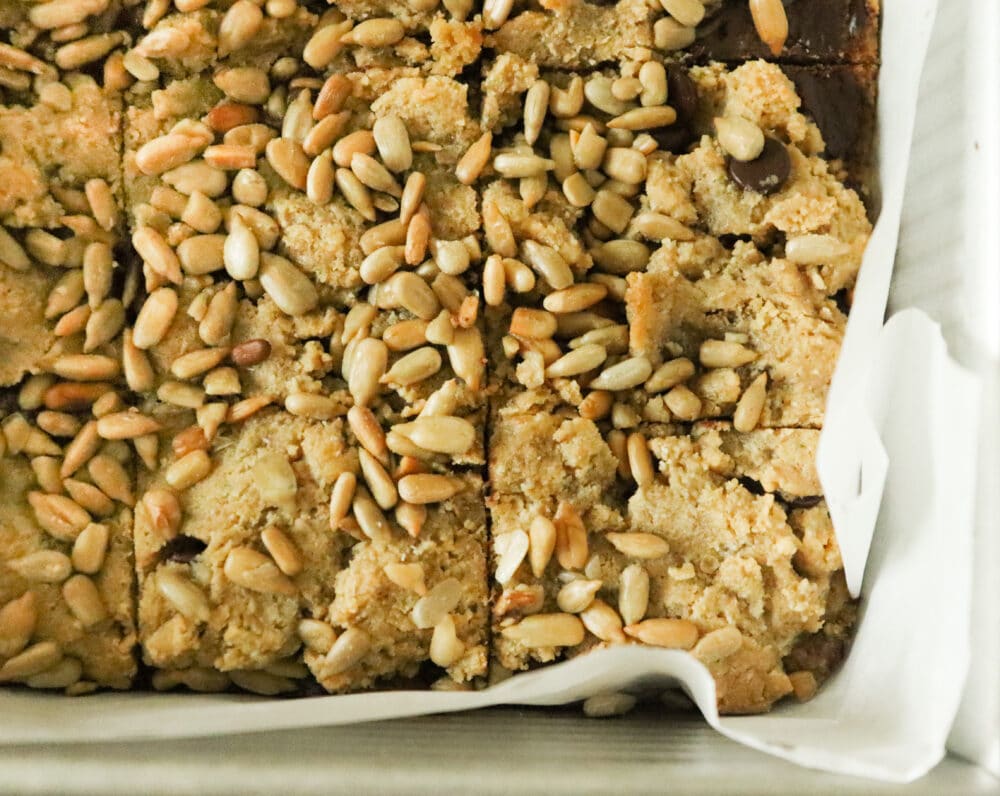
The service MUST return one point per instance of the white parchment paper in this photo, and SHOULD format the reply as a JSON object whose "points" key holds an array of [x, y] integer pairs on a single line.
{"points": [[949, 266], [902, 415]]}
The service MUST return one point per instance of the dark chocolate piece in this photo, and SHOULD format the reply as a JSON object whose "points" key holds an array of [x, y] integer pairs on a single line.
{"points": [[768, 173], [839, 104]]}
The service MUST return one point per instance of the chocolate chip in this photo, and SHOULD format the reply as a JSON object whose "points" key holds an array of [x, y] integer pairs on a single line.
{"points": [[676, 138], [843, 300], [682, 93], [752, 486], [804, 502], [768, 173], [682, 96], [729, 241], [181, 549]]}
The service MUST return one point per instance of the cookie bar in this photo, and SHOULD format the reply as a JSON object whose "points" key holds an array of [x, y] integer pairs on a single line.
{"points": [[586, 34], [670, 282], [722, 548], [220, 37], [60, 181], [732, 323], [251, 574], [573, 35], [67, 617], [278, 233], [665, 276]]}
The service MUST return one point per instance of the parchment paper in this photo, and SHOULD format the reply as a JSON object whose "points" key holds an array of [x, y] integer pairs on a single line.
{"points": [[902, 415]]}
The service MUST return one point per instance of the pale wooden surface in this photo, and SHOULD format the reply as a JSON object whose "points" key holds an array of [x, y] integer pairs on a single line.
{"points": [[495, 751]]}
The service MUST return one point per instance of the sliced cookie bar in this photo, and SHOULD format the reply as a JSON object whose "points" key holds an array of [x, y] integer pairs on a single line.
{"points": [[756, 252], [61, 289], [280, 558], [720, 548], [227, 38], [584, 34], [573, 35], [67, 617]]}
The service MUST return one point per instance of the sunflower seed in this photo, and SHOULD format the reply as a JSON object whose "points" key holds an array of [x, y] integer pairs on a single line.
{"points": [[185, 596], [602, 706], [257, 572], [446, 648], [84, 600], [157, 254], [664, 632], [670, 35], [426, 488], [283, 550], [466, 355], [355, 192], [44, 566], [442, 598], [414, 367], [633, 594], [771, 22], [374, 33], [347, 651], [472, 163], [341, 498], [751, 405], [34, 660], [440, 434], [18, 619], [546, 630], [639, 545], [289, 160], [292, 291], [577, 595], [325, 44], [90, 548], [368, 365], [188, 470]]}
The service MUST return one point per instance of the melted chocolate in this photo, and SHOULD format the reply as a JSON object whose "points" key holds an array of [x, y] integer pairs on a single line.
{"points": [[836, 101], [818, 31]]}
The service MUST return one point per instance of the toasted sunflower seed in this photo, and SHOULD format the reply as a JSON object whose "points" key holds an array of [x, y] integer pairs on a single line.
{"points": [[751, 405], [367, 368], [425, 488], [393, 143], [472, 163], [639, 545], [289, 287], [665, 632], [771, 22], [440, 433], [347, 651], [414, 367], [547, 630]]}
